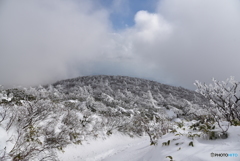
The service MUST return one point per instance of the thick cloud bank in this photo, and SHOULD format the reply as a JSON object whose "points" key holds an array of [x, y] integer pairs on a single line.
{"points": [[47, 40], [184, 40]]}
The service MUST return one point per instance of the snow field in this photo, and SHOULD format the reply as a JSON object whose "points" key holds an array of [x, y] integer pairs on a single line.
{"points": [[123, 148]]}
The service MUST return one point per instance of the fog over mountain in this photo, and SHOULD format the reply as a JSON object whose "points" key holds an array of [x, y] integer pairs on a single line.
{"points": [[176, 43]]}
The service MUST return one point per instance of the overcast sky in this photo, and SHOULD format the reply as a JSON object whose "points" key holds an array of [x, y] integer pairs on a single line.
{"points": [[171, 41]]}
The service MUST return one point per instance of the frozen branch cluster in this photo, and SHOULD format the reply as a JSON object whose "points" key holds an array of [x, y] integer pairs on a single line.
{"points": [[224, 97]]}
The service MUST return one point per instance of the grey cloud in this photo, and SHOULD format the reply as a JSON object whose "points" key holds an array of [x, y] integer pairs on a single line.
{"points": [[206, 40], [43, 41]]}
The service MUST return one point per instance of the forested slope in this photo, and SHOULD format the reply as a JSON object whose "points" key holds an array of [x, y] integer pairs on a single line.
{"points": [[36, 122]]}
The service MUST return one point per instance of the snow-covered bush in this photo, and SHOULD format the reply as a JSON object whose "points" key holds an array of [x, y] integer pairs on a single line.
{"points": [[154, 126], [224, 97], [211, 130]]}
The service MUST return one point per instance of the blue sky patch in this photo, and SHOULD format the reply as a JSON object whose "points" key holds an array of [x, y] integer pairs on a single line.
{"points": [[122, 12]]}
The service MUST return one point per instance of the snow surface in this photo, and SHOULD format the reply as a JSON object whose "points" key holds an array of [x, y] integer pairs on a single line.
{"points": [[123, 148], [3, 138], [101, 149]]}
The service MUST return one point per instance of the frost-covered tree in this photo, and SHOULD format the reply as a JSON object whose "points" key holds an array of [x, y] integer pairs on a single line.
{"points": [[154, 126], [224, 97]]}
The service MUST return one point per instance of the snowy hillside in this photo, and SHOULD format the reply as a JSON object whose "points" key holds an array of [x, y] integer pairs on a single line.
{"points": [[118, 85], [121, 148], [117, 118]]}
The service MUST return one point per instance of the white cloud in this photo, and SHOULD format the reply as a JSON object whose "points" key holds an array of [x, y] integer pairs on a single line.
{"points": [[188, 40], [150, 26]]}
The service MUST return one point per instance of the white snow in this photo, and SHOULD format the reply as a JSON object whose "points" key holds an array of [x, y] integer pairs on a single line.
{"points": [[123, 148], [3, 138], [96, 150], [171, 114]]}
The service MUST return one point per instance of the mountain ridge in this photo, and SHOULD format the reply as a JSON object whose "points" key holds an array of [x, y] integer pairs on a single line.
{"points": [[117, 82]]}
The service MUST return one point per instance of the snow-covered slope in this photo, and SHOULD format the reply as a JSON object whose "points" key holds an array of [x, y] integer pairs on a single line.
{"points": [[112, 118], [112, 147], [122, 148]]}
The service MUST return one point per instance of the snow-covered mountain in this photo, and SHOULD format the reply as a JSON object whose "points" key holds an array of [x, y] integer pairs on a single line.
{"points": [[136, 86], [38, 123]]}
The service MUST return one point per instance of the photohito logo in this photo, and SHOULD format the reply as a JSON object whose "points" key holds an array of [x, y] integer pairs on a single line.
{"points": [[224, 155]]}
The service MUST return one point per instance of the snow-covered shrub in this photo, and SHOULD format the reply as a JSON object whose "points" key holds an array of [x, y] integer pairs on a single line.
{"points": [[211, 130], [235, 122], [224, 99], [153, 126]]}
